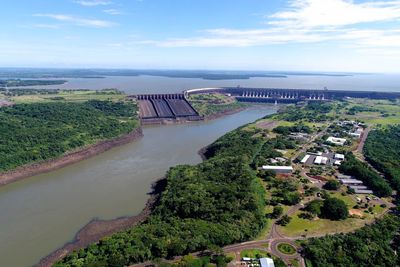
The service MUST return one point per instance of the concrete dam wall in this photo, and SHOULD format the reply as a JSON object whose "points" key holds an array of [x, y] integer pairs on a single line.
{"points": [[272, 95], [161, 108]]}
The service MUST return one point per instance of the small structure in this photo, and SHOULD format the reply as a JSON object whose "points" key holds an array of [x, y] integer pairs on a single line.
{"points": [[339, 156], [351, 182], [337, 163], [363, 191], [341, 176], [336, 141], [359, 187], [278, 169], [267, 262], [5, 103], [306, 157], [321, 160]]}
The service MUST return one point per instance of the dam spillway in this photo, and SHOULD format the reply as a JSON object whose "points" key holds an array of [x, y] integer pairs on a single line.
{"points": [[161, 108], [275, 95]]}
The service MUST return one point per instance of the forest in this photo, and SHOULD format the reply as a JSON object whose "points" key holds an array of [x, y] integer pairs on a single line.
{"points": [[372, 245], [382, 150], [19, 82], [212, 204], [36, 132], [360, 170]]}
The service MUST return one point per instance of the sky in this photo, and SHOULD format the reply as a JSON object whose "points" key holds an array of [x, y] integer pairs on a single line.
{"points": [[298, 35]]}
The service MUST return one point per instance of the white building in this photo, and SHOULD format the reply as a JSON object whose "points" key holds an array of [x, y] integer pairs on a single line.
{"points": [[267, 262], [339, 156], [278, 169], [351, 182], [304, 160], [336, 141], [321, 160]]}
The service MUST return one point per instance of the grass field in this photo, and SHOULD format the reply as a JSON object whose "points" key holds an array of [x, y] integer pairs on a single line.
{"points": [[385, 112], [286, 248], [210, 104], [254, 253], [299, 226], [70, 96]]}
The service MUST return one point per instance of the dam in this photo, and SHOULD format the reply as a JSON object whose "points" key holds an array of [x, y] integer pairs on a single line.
{"points": [[275, 95], [163, 108]]}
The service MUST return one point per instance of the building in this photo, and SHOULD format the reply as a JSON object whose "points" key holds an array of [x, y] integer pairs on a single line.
{"points": [[321, 160], [336, 141], [267, 262], [304, 160], [351, 182], [337, 163], [339, 156], [341, 176], [363, 191], [278, 169], [359, 187]]}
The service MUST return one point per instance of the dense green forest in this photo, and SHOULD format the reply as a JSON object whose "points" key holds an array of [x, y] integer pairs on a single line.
{"points": [[40, 131], [214, 203], [382, 150], [360, 170], [19, 82], [371, 245]]}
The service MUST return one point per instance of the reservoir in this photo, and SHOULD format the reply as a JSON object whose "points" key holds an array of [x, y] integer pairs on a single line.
{"points": [[42, 213]]}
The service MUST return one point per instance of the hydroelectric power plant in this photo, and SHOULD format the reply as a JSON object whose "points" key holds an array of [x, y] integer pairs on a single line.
{"points": [[164, 108]]}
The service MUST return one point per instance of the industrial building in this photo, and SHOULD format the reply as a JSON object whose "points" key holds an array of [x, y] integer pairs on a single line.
{"points": [[278, 169], [351, 182], [321, 160]]}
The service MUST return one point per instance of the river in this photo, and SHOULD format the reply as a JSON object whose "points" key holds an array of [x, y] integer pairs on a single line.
{"points": [[41, 213], [155, 84]]}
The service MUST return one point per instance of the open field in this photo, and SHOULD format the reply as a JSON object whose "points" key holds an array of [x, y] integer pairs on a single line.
{"points": [[70, 96], [212, 104], [376, 112]]}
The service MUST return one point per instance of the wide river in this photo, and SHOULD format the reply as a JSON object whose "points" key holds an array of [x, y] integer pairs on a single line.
{"points": [[40, 214]]}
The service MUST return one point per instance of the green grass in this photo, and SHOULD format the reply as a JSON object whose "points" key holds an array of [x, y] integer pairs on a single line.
{"points": [[254, 253], [286, 248], [298, 226], [70, 96], [295, 263], [210, 104]]}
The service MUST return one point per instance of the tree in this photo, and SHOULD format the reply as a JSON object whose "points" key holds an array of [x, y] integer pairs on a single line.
{"points": [[314, 207], [334, 209], [284, 220], [332, 185], [278, 210]]}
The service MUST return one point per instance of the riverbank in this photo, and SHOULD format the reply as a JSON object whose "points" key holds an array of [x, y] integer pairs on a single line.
{"points": [[223, 113], [68, 159], [97, 229]]}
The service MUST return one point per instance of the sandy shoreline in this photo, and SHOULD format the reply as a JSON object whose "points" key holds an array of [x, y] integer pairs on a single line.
{"points": [[68, 159]]}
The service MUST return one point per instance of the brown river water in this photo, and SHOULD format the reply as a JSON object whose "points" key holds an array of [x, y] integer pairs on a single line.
{"points": [[41, 213]]}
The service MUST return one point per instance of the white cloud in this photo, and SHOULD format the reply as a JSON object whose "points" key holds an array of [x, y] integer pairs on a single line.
{"points": [[78, 20], [310, 21], [93, 2], [113, 11], [335, 13]]}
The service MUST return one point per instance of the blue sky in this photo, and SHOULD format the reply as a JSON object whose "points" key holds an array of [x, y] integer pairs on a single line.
{"points": [[315, 35]]}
